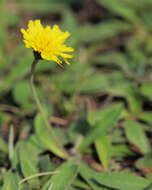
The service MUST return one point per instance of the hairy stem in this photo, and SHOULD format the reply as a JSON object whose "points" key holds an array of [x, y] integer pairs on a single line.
{"points": [[42, 111], [40, 108]]}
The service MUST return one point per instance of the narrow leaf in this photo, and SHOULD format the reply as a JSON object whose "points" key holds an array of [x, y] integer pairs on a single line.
{"points": [[28, 160], [120, 7], [45, 139], [10, 181], [108, 121], [117, 181], [136, 135], [64, 177], [103, 150]]}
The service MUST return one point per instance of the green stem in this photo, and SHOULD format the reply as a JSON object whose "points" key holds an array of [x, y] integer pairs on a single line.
{"points": [[36, 175], [40, 108], [42, 111]]}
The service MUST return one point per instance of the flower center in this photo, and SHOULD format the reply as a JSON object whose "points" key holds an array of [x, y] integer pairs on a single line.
{"points": [[37, 55]]}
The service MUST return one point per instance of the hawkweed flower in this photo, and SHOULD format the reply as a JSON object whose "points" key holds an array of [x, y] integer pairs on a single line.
{"points": [[47, 42]]}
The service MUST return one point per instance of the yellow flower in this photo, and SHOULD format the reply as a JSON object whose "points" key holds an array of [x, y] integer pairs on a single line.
{"points": [[47, 42]]}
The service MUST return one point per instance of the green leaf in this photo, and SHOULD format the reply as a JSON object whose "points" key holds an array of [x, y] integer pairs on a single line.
{"points": [[45, 138], [3, 145], [94, 116], [136, 135], [22, 92], [45, 164], [139, 3], [144, 163], [147, 16], [15, 160], [120, 8], [119, 181], [94, 83], [103, 148], [21, 68], [66, 173], [134, 100], [121, 150], [109, 120], [146, 90], [69, 22], [81, 184], [28, 159], [146, 116], [43, 7], [106, 30], [10, 181]]}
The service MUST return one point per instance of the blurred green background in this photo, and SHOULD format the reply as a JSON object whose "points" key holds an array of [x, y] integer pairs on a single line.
{"points": [[100, 106]]}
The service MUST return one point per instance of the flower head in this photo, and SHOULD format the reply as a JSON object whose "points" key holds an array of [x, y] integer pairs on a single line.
{"points": [[47, 41]]}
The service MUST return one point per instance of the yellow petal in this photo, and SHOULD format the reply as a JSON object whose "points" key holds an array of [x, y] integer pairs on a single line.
{"points": [[47, 41]]}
